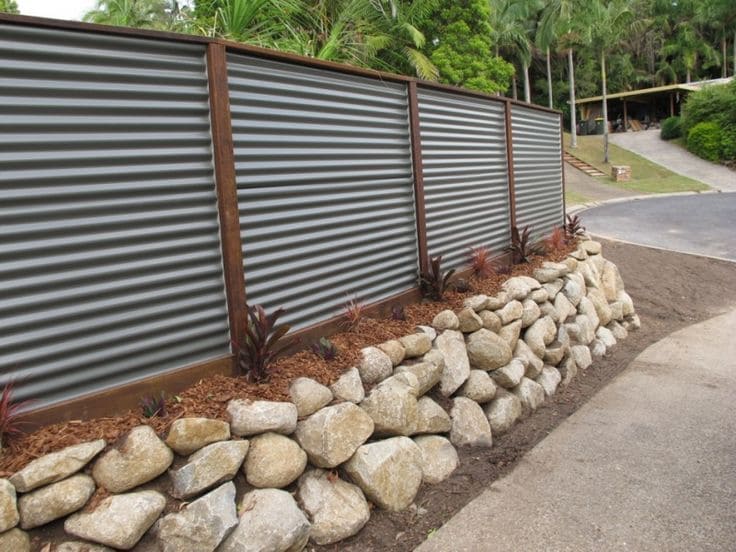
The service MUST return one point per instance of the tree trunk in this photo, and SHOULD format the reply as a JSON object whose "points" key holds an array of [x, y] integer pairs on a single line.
{"points": [[527, 89], [605, 109], [549, 80], [734, 53], [724, 63], [513, 88], [687, 75], [573, 108]]}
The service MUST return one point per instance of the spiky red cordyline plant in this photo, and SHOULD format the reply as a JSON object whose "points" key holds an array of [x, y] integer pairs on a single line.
{"points": [[434, 282], [261, 344], [353, 312], [10, 411], [573, 228], [557, 239], [479, 259], [522, 246]]}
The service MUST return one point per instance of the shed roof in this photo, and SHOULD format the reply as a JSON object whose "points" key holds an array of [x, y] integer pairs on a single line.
{"points": [[688, 87]]}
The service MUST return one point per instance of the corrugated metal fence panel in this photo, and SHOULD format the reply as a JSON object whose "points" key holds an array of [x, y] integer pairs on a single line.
{"points": [[537, 169], [323, 166], [110, 265], [465, 174]]}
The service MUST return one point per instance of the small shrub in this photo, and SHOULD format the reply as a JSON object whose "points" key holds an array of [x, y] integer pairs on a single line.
{"points": [[556, 240], [262, 342], [573, 228], [479, 260], [728, 143], [704, 140], [522, 246], [435, 282], [353, 312], [461, 285], [714, 104], [398, 312], [324, 349], [154, 405], [671, 128], [10, 411]]}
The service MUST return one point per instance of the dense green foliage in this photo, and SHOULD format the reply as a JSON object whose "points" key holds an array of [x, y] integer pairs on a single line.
{"points": [[709, 122], [473, 43], [671, 128], [8, 6]]}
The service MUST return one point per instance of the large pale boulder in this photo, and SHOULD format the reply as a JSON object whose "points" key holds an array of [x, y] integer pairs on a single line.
{"points": [[632, 322], [140, 458], [530, 313], [8, 506], [540, 334], [548, 309], [581, 355], [510, 333], [200, 526], [586, 308], [597, 348], [503, 411], [273, 461], [336, 508], [475, 302], [497, 301], [490, 320], [208, 467], [568, 370], [270, 520], [309, 396], [375, 365], [119, 521], [605, 336], [389, 472], [602, 309], [549, 379], [627, 304], [564, 307], [586, 326], [451, 345], [15, 540], [487, 351], [54, 501], [330, 436], [479, 387], [611, 281], [81, 546], [56, 466], [534, 364], [555, 352], [448, 320], [416, 344], [431, 417], [349, 387], [253, 417], [513, 310], [469, 321], [618, 331], [539, 295], [428, 374], [394, 350], [439, 458], [188, 435], [392, 405], [617, 310], [429, 330], [553, 288], [519, 287], [469, 424], [591, 247], [510, 375], [530, 393]]}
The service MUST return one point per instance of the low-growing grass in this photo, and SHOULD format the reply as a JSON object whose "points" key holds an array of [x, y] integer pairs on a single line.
{"points": [[574, 198], [646, 177]]}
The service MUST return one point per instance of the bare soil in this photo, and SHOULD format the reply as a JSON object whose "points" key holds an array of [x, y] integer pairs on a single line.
{"points": [[670, 291]]}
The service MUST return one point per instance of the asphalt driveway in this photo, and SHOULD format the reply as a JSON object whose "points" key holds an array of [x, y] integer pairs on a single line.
{"points": [[703, 224]]}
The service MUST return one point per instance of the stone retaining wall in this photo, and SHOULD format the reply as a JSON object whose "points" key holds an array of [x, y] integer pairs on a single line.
{"points": [[496, 361]]}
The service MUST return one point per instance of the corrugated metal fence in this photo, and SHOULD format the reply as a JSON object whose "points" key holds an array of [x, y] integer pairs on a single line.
{"points": [[115, 179]]}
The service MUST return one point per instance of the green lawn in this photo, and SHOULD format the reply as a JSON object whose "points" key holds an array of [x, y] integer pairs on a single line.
{"points": [[646, 177], [574, 198]]}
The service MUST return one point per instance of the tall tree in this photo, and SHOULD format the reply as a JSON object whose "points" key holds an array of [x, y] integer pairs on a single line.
{"points": [[510, 33], [150, 14]]}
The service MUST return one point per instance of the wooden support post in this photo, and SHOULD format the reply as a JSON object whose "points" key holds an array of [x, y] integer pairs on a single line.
{"points": [[510, 166], [227, 191], [672, 104], [626, 117], [562, 168], [418, 169]]}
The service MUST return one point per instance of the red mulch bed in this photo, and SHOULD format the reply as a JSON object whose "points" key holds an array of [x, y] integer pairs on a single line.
{"points": [[209, 397]]}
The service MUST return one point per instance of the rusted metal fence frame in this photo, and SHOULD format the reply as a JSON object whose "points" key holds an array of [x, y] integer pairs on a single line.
{"points": [[226, 189]]}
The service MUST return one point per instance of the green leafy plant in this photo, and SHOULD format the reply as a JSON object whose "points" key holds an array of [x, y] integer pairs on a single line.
{"points": [[573, 228], [522, 247], [10, 411], [398, 312], [353, 312], [154, 405], [434, 282], [479, 259], [704, 140], [324, 349], [262, 344], [671, 128]]}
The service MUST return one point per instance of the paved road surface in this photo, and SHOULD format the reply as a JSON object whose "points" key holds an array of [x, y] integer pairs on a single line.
{"points": [[648, 144], [648, 464], [700, 223]]}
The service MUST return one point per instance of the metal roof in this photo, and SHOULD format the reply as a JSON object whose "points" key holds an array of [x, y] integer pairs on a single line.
{"points": [[688, 87]]}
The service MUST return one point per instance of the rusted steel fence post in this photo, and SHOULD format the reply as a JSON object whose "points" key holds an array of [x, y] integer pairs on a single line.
{"points": [[510, 165], [418, 170], [227, 191]]}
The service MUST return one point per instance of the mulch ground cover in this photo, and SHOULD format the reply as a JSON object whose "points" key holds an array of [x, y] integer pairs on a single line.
{"points": [[209, 397]]}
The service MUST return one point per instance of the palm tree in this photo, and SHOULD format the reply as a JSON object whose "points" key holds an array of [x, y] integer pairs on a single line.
{"points": [[129, 13], [509, 23]]}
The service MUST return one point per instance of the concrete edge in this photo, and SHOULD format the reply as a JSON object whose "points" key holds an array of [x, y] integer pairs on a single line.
{"points": [[627, 242], [579, 208]]}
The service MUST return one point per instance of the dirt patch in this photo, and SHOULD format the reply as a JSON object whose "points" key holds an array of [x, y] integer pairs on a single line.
{"points": [[670, 291]]}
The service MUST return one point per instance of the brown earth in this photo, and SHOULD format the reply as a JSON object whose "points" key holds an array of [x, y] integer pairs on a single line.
{"points": [[670, 291]]}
